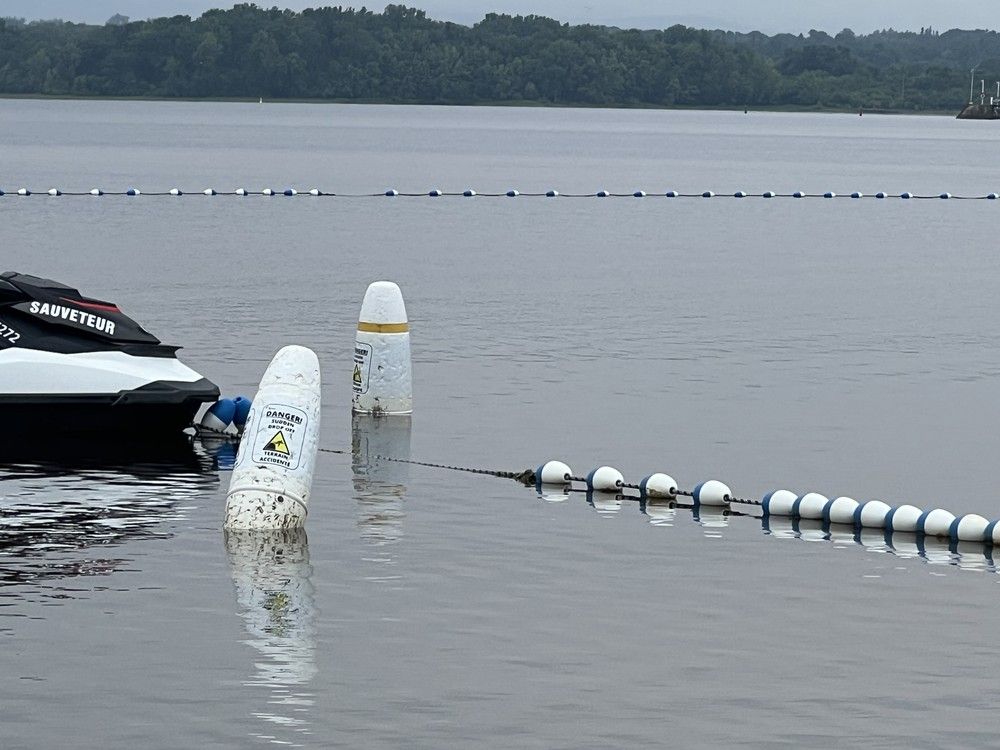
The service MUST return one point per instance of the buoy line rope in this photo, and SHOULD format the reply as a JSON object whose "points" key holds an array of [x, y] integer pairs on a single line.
{"points": [[530, 477], [525, 477], [470, 193]]}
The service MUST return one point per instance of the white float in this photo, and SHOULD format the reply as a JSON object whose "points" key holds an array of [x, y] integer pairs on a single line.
{"points": [[811, 504], [872, 515], [658, 486], [936, 522], [382, 372], [712, 492], [841, 510], [969, 528], [904, 519], [272, 477], [553, 472], [779, 503], [605, 479]]}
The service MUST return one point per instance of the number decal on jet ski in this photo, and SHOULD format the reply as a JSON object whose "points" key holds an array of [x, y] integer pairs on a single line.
{"points": [[8, 333]]}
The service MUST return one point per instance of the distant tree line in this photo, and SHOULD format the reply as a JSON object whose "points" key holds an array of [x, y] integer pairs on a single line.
{"points": [[400, 55]]}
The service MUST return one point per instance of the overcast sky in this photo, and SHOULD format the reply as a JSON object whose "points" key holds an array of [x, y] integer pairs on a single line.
{"points": [[769, 16]]}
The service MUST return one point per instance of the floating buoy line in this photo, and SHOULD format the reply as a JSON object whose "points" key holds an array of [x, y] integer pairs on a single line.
{"points": [[132, 192], [935, 534]]}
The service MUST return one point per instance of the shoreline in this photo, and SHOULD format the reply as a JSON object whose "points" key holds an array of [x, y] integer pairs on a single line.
{"points": [[523, 104]]}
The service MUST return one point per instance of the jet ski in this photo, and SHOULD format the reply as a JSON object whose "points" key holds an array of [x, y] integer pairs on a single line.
{"points": [[71, 365]]}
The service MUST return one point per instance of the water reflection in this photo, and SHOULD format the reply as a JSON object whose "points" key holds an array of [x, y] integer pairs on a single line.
{"points": [[973, 556], [380, 483], [62, 501], [275, 598]]}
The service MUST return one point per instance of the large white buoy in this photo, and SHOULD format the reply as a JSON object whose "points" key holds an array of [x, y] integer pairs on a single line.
{"points": [[382, 370], [273, 474]]}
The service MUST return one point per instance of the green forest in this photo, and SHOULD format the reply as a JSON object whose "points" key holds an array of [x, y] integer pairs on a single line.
{"points": [[401, 55]]}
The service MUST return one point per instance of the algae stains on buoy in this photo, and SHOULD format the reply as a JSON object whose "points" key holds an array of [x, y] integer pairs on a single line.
{"points": [[382, 372], [273, 474]]}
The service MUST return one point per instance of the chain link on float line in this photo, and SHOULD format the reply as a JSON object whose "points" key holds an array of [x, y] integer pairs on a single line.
{"points": [[470, 193]]}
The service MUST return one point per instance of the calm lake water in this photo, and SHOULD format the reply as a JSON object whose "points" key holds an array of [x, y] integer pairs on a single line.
{"points": [[847, 347]]}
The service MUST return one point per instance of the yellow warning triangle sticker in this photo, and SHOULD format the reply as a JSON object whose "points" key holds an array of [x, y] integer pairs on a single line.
{"points": [[357, 374], [277, 444]]}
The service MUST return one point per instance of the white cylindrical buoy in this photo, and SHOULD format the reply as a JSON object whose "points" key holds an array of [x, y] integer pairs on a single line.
{"points": [[840, 510], [778, 503], [944, 196], [880, 194], [290, 192], [553, 472], [771, 194], [670, 194], [552, 194], [708, 194], [97, 191], [273, 474], [382, 369], [856, 194], [55, 191], [872, 515], [810, 506], [315, 192], [740, 194], [469, 193], [639, 194], [267, 191], [605, 479], [391, 193], [658, 485], [132, 192], [904, 519], [175, 191], [712, 492], [242, 192], [209, 191], [513, 193], [992, 196], [23, 191], [434, 193], [936, 522], [829, 194], [906, 196], [969, 528]]}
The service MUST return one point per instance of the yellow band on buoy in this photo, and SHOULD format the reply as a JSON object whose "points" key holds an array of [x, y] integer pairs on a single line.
{"points": [[384, 327]]}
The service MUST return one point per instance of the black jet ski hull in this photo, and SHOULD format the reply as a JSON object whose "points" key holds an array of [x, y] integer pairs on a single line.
{"points": [[144, 413]]}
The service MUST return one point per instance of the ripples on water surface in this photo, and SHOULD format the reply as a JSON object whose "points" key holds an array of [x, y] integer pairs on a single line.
{"points": [[847, 347]]}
